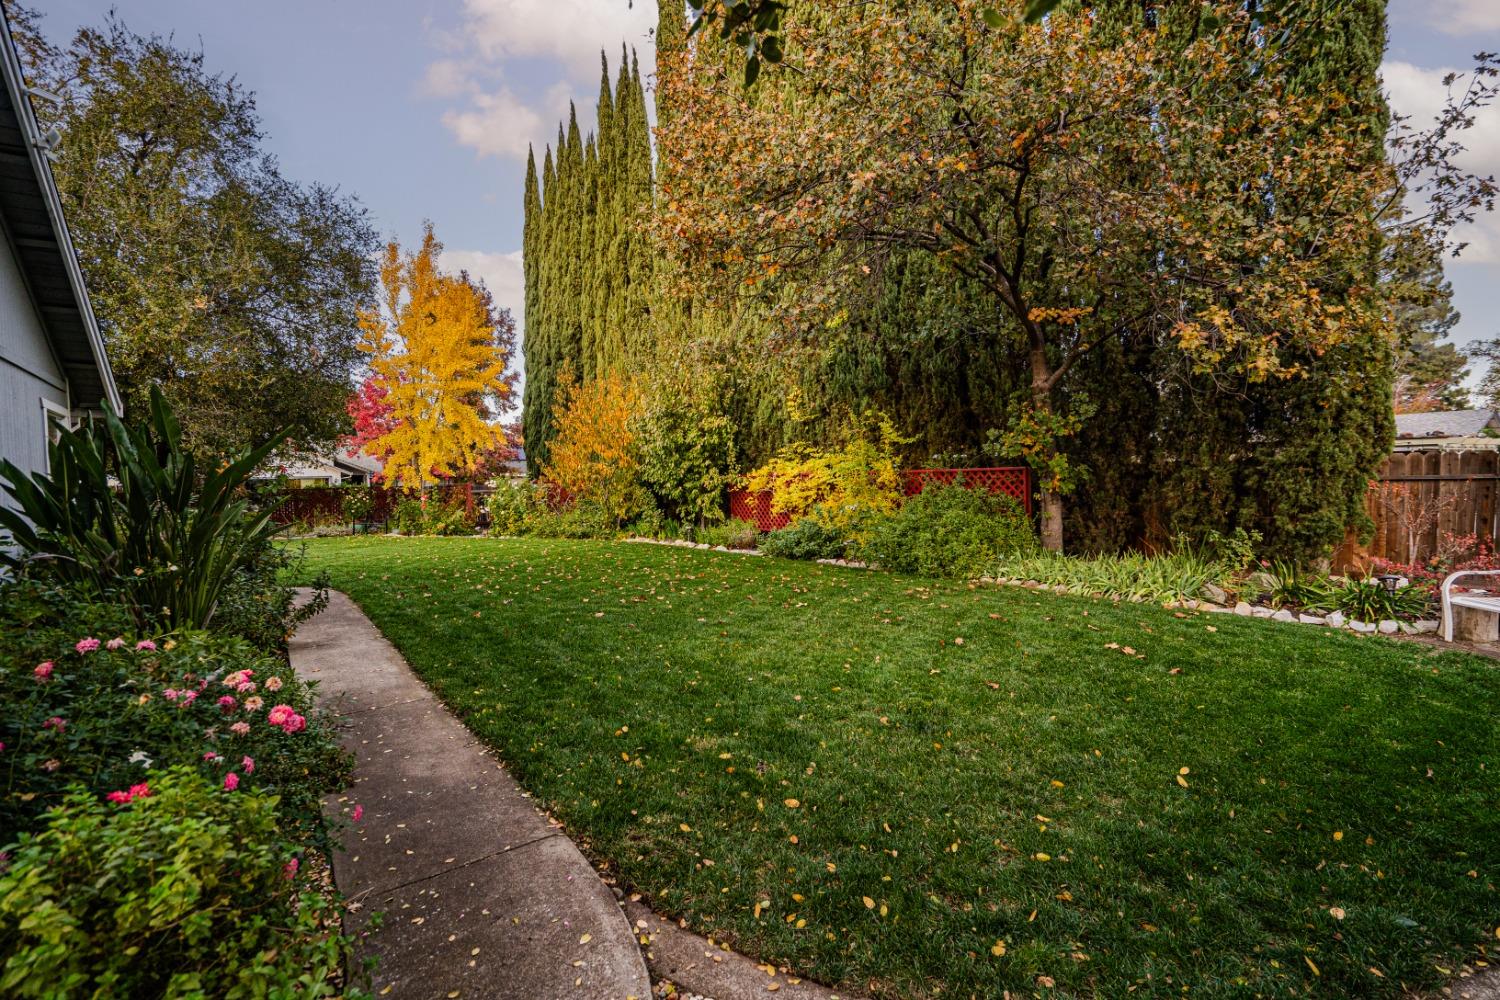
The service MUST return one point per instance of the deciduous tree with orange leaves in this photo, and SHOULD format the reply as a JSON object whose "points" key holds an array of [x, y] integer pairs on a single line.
{"points": [[441, 350], [593, 455]]}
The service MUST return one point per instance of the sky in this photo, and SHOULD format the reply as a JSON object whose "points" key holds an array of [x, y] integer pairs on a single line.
{"points": [[425, 109]]}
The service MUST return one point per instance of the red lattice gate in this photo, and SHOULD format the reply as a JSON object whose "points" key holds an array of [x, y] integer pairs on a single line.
{"points": [[755, 506]]}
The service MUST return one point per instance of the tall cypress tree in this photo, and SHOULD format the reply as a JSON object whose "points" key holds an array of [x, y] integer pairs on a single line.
{"points": [[592, 270]]}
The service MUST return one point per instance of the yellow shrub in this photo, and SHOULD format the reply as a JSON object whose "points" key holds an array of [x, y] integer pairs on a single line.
{"points": [[848, 488]]}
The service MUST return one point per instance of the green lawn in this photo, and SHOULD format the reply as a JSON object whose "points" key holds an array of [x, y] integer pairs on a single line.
{"points": [[874, 779]]}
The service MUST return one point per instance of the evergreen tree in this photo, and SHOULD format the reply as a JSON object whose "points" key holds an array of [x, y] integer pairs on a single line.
{"points": [[590, 269]]}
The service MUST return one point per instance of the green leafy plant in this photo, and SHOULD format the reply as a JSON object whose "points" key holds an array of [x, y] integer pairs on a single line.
{"points": [[812, 537], [1368, 600], [184, 889], [582, 519], [515, 508], [1166, 577], [732, 534], [950, 531], [1292, 586], [127, 511]]}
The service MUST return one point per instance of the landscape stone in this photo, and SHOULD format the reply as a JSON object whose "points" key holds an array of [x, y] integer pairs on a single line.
{"points": [[1283, 616], [1215, 593], [1242, 608], [1311, 620], [1389, 627], [1363, 627], [1336, 619]]}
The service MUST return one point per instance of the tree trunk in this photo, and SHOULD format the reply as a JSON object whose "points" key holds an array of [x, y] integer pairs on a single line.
{"points": [[1052, 521], [1041, 401]]}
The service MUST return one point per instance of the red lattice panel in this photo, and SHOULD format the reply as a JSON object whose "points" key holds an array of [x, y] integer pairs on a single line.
{"points": [[755, 506], [1013, 481]]}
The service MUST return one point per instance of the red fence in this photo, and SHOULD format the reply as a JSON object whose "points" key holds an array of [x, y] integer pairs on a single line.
{"points": [[325, 504], [748, 505]]}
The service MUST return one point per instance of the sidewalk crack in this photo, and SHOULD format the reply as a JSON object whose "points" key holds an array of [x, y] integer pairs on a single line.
{"points": [[453, 868]]}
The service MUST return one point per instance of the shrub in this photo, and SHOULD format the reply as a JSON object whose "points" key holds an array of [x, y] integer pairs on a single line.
{"points": [[950, 531], [431, 515], [592, 456], [812, 537], [127, 513], [732, 534], [583, 519], [685, 444], [513, 509], [1368, 600], [259, 607], [852, 488], [357, 504], [82, 705], [186, 889]]}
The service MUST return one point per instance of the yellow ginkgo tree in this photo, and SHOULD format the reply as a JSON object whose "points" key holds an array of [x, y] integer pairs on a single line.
{"points": [[441, 350]]}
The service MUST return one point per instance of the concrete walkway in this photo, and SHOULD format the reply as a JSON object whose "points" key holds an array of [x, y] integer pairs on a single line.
{"points": [[481, 895]]}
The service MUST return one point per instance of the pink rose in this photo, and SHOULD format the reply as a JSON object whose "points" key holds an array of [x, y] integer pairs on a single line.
{"points": [[291, 868], [146, 646], [231, 781], [114, 643], [359, 813], [227, 704], [240, 729], [246, 688], [295, 724], [42, 671], [273, 683], [248, 764], [57, 722], [188, 697], [87, 645], [140, 791], [212, 757], [278, 715], [170, 694], [121, 797], [253, 703]]}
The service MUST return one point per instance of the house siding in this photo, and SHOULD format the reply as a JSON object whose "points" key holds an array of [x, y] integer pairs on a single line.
{"points": [[28, 371]]}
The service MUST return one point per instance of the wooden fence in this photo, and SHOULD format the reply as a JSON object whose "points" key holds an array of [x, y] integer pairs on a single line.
{"points": [[755, 505], [1423, 497]]}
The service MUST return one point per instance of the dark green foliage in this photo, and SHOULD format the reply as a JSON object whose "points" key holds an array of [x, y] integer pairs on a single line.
{"points": [[950, 531], [128, 512], [579, 520], [259, 606], [806, 538], [214, 277], [589, 282], [910, 756], [185, 892]]}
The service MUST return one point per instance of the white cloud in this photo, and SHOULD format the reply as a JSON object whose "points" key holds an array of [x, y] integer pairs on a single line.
{"points": [[497, 124], [502, 108], [1419, 93], [570, 31], [1464, 17]]}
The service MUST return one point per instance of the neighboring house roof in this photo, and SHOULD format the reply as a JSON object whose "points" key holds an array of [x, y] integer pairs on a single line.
{"points": [[32, 218], [357, 461], [1445, 423]]}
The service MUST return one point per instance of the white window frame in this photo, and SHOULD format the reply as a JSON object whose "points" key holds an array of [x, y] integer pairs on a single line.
{"points": [[51, 412]]}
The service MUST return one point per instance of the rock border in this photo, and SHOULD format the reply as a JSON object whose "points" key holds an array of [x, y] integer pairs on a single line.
{"points": [[1244, 609]]}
